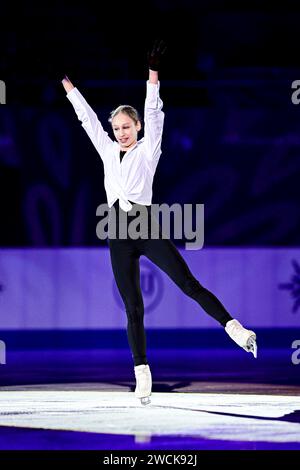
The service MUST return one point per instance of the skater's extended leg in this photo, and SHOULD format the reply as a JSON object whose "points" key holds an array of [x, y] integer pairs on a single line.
{"points": [[166, 256]]}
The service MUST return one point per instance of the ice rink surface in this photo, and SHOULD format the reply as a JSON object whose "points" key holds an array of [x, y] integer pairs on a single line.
{"points": [[267, 416], [206, 399]]}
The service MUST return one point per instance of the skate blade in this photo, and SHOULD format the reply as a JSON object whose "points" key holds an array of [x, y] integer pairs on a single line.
{"points": [[252, 346], [145, 401]]}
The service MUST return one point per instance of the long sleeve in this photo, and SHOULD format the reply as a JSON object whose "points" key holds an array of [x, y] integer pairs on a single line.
{"points": [[90, 122], [154, 120]]}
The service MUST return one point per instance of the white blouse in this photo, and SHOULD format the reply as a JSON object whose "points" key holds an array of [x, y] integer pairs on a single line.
{"points": [[131, 179]]}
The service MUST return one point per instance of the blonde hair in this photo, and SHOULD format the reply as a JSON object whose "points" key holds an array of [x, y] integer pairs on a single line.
{"points": [[125, 109]]}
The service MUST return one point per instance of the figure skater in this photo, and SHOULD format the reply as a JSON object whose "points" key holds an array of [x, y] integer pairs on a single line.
{"points": [[129, 168]]}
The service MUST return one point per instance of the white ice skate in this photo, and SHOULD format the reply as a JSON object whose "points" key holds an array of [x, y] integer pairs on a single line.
{"points": [[143, 383], [243, 337]]}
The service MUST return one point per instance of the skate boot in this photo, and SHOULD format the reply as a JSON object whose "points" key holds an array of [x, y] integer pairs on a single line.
{"points": [[244, 338], [143, 383]]}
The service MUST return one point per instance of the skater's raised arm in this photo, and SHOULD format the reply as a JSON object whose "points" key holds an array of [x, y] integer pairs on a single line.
{"points": [[153, 114], [88, 118]]}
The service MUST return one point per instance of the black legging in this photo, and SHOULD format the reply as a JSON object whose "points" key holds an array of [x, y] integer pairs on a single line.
{"points": [[125, 256]]}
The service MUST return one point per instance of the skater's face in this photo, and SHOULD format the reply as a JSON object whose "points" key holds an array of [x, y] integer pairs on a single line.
{"points": [[125, 130]]}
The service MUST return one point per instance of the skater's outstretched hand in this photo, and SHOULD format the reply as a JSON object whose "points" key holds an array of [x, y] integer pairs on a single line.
{"points": [[67, 84], [155, 55]]}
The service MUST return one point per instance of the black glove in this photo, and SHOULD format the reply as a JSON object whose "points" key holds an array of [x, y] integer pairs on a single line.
{"points": [[155, 55]]}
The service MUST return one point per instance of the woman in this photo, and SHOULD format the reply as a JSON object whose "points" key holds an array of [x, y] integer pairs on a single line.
{"points": [[129, 168]]}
